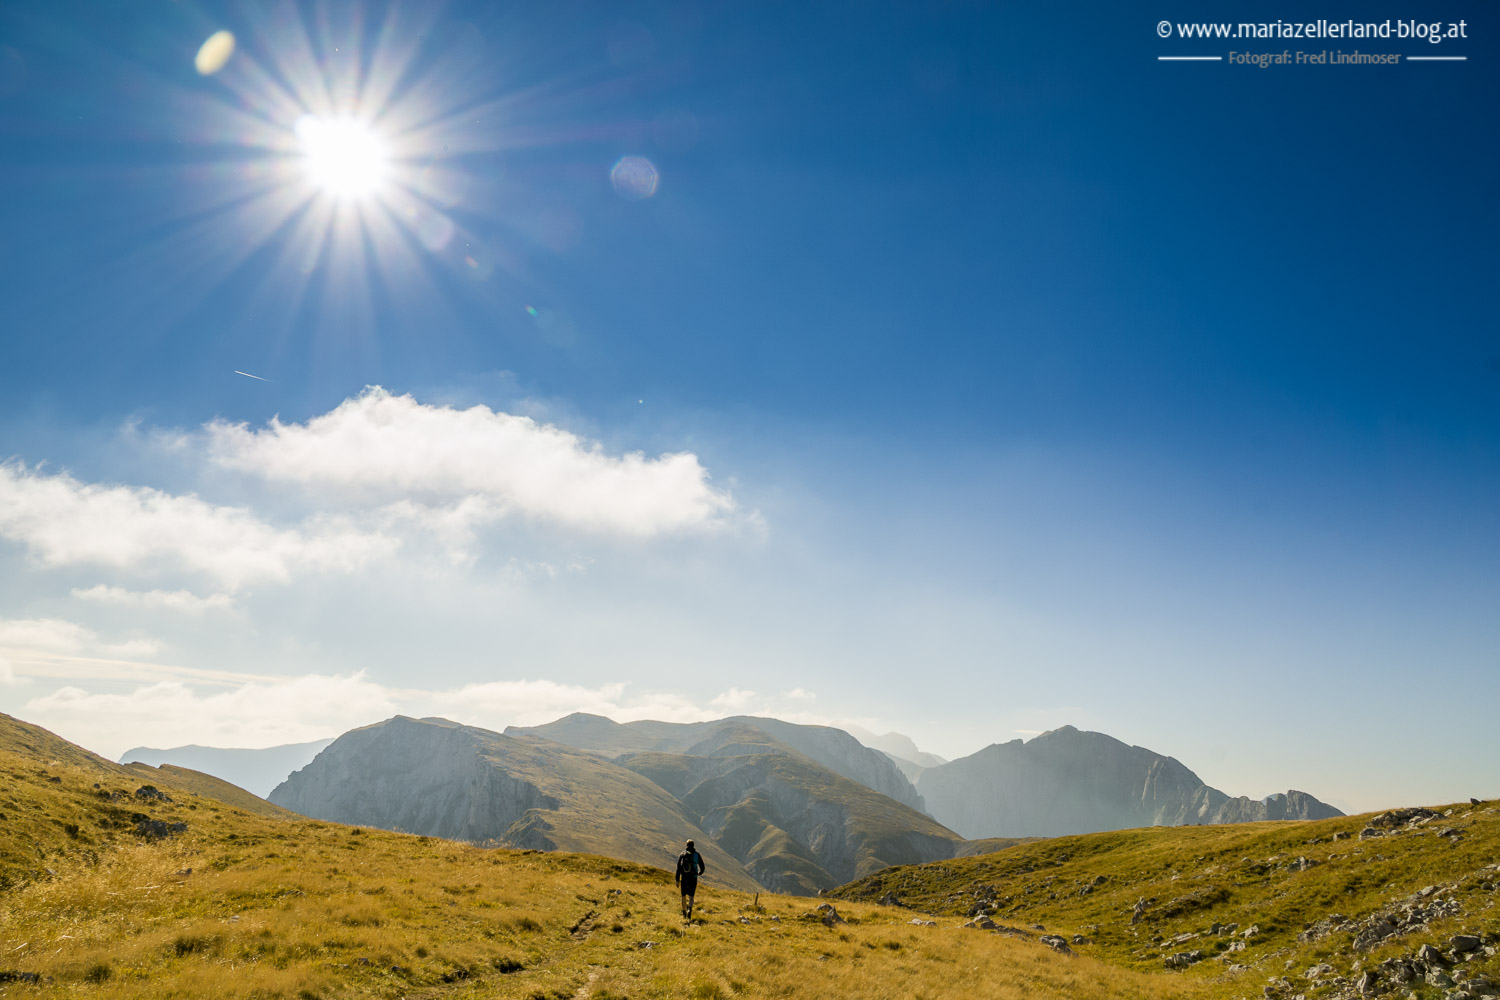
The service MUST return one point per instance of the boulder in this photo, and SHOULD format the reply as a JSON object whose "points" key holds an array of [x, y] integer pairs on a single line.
{"points": [[1056, 943]]}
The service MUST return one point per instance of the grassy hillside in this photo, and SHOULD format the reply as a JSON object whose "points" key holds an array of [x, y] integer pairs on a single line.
{"points": [[243, 904], [198, 783], [1258, 903]]}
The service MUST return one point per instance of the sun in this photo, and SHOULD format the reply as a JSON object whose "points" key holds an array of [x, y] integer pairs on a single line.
{"points": [[343, 157]]}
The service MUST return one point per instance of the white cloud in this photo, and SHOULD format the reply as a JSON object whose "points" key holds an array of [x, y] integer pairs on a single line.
{"points": [[497, 704], [22, 636], [7, 673], [735, 700], [48, 634], [183, 601], [64, 522], [172, 713], [381, 446]]}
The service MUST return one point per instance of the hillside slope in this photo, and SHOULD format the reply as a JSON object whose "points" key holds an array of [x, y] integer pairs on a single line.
{"points": [[240, 906], [832, 748], [797, 826], [60, 802], [434, 777], [1310, 907], [1069, 781]]}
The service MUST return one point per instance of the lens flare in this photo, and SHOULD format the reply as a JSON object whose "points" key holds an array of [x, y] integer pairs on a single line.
{"points": [[634, 177], [214, 53], [345, 158]]}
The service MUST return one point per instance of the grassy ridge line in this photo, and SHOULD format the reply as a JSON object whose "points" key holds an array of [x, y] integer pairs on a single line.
{"points": [[244, 905], [1279, 877]]}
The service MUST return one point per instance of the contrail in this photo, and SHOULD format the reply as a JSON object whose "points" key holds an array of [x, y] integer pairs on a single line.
{"points": [[248, 375]]}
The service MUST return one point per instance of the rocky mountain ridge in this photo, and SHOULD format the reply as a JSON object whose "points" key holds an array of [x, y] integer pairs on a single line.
{"points": [[832, 748], [1070, 781], [763, 813]]}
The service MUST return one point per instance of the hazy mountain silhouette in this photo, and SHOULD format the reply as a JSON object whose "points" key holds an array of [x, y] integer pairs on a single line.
{"points": [[1071, 781]]}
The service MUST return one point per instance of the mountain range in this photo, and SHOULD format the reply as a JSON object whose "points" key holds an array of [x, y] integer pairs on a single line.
{"points": [[763, 813], [1069, 781], [791, 808]]}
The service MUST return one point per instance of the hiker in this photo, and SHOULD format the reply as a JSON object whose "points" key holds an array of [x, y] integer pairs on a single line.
{"points": [[689, 867]]}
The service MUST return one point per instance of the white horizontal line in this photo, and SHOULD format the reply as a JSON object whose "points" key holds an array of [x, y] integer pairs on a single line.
{"points": [[1190, 58], [1437, 58]]}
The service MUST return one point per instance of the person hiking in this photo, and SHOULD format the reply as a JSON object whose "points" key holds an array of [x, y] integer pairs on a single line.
{"points": [[689, 866]]}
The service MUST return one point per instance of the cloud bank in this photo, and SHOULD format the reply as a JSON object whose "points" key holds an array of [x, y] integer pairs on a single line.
{"points": [[300, 709], [387, 447], [64, 522]]}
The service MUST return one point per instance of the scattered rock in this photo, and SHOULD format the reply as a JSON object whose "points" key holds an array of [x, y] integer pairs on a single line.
{"points": [[1080, 939], [919, 922], [891, 899], [645, 944], [1463, 943], [1430, 955], [1183, 959], [1056, 943], [150, 793], [1323, 928], [1397, 818], [157, 829], [1012, 932], [827, 914]]}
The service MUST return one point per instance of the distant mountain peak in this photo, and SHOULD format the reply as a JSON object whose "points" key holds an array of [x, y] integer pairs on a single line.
{"points": [[1068, 781]]}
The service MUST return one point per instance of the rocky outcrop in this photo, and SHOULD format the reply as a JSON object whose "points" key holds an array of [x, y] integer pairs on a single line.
{"points": [[1069, 781]]}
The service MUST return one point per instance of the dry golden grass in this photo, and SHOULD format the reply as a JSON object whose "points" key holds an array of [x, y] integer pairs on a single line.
{"points": [[1278, 876], [244, 905], [247, 904], [304, 909]]}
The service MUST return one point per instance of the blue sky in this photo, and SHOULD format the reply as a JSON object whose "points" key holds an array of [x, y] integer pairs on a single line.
{"points": [[1015, 378]]}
